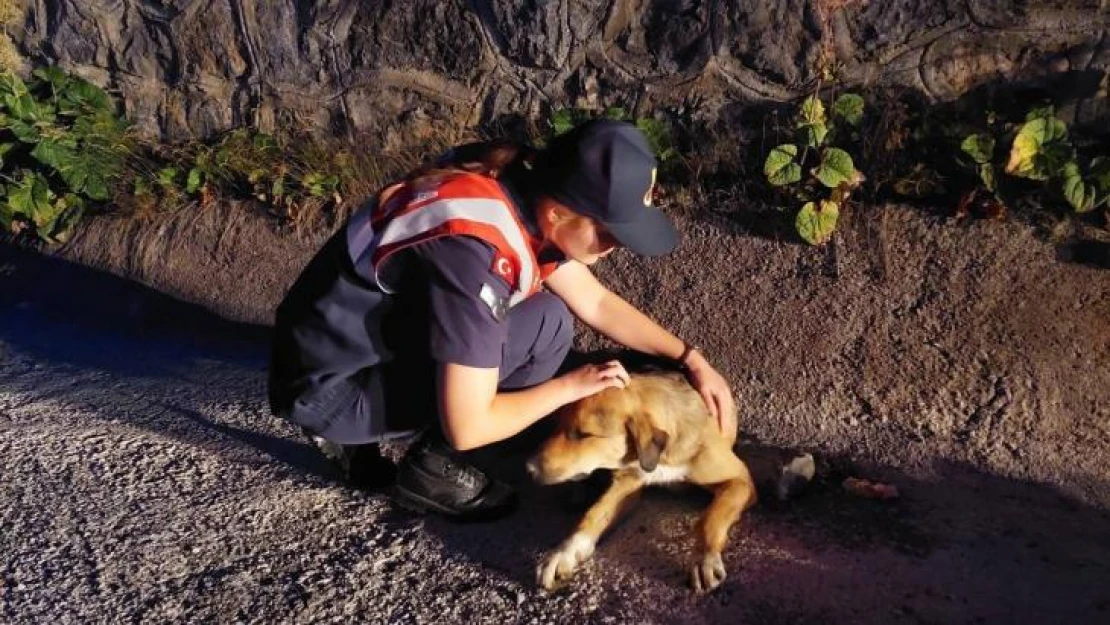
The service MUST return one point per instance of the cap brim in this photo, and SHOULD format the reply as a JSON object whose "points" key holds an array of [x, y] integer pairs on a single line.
{"points": [[652, 234]]}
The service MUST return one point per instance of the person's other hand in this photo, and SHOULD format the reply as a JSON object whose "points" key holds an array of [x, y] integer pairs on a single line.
{"points": [[714, 390], [594, 378]]}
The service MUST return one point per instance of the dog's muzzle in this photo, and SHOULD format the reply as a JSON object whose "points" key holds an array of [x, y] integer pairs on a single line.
{"points": [[538, 474]]}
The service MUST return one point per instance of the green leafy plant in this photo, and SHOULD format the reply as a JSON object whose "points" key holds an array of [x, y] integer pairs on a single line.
{"points": [[818, 174], [656, 131], [62, 145], [286, 173], [1040, 151]]}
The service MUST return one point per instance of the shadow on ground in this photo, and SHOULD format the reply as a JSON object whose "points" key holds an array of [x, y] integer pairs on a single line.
{"points": [[959, 546]]}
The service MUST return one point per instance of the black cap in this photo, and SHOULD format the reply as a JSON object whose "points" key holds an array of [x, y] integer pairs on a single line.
{"points": [[605, 169]]}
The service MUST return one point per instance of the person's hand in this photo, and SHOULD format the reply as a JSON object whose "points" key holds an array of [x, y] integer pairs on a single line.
{"points": [[594, 378], [714, 390]]}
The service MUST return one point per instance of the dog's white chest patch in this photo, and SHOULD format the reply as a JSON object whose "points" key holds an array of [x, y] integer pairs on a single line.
{"points": [[664, 474]]}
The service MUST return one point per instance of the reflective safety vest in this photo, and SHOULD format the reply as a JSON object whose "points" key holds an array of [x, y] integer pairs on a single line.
{"points": [[461, 204]]}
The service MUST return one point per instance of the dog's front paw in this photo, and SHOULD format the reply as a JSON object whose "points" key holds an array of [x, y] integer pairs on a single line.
{"points": [[560, 565], [707, 573]]}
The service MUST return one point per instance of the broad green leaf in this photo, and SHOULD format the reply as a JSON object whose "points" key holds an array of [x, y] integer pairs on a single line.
{"points": [[256, 175], [277, 190], [812, 111], [814, 135], [11, 85], [986, 173], [52, 75], [314, 183], [20, 199], [1055, 130], [780, 167], [63, 226], [1054, 156], [562, 120], [58, 154], [30, 110], [658, 134], [4, 149], [194, 180], [1023, 157], [96, 187], [86, 174], [816, 222], [167, 176], [25, 132], [81, 95], [19, 106], [979, 147], [1100, 173], [43, 209], [1040, 112], [45, 214], [1080, 194], [1070, 170], [836, 167], [40, 189], [1029, 144], [849, 107], [76, 175]]}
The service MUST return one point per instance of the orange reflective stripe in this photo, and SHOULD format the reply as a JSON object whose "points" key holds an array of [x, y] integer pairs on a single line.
{"points": [[463, 204]]}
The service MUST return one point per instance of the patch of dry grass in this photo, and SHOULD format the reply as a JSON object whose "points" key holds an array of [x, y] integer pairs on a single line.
{"points": [[10, 11], [10, 59]]}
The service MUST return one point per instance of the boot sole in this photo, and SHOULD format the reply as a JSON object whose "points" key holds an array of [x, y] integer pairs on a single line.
{"points": [[422, 505]]}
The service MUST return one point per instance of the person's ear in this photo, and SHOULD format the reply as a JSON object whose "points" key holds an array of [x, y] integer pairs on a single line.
{"points": [[556, 212], [545, 210]]}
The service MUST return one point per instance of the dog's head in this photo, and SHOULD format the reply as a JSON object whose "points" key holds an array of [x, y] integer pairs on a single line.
{"points": [[609, 430]]}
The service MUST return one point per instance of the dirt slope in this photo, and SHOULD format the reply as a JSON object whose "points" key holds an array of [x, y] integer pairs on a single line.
{"points": [[965, 364], [909, 338], [144, 481]]}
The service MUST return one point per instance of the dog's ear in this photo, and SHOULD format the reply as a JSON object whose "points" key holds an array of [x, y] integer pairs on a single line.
{"points": [[648, 439]]}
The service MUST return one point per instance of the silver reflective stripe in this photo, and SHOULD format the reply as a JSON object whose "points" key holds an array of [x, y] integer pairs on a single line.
{"points": [[360, 238], [362, 241]]}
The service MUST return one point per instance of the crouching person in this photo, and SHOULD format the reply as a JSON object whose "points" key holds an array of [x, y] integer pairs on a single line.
{"points": [[444, 308]]}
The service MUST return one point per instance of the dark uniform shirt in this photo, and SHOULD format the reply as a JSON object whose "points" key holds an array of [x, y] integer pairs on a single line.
{"points": [[334, 324]]}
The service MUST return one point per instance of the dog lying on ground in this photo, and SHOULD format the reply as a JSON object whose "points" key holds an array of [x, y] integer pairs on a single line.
{"points": [[656, 430]]}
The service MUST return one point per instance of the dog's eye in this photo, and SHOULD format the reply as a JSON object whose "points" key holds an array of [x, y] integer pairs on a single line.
{"points": [[577, 435]]}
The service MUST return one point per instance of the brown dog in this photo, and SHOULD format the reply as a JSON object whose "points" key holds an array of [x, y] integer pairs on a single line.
{"points": [[656, 430]]}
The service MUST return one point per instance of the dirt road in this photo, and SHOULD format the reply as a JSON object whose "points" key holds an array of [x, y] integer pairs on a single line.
{"points": [[144, 481]]}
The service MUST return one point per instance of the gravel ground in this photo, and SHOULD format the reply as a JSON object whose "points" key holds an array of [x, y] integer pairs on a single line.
{"points": [[144, 481]]}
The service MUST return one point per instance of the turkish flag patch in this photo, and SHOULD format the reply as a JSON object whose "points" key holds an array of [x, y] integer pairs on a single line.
{"points": [[504, 267]]}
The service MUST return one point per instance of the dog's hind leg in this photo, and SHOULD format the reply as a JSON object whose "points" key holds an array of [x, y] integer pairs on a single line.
{"points": [[560, 565], [730, 498]]}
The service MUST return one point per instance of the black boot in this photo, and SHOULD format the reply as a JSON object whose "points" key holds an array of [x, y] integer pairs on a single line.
{"points": [[434, 477], [361, 466]]}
